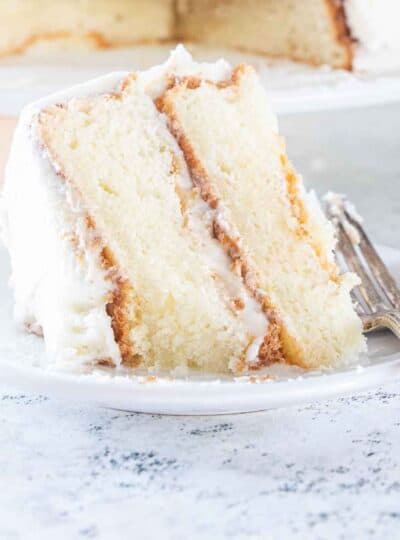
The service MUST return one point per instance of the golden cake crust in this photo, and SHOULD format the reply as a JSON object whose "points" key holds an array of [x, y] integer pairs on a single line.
{"points": [[341, 31], [96, 39]]}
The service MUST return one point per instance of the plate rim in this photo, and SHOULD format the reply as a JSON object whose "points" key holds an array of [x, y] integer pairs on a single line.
{"points": [[164, 396]]}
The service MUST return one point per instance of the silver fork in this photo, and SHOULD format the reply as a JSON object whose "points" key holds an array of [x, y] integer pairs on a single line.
{"points": [[377, 297]]}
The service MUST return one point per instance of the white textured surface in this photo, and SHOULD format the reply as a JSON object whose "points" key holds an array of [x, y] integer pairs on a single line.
{"points": [[327, 471]]}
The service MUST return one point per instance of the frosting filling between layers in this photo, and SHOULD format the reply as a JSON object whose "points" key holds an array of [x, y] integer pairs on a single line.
{"points": [[200, 220]]}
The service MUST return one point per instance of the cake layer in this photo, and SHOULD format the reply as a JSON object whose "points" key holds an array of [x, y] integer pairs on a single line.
{"points": [[95, 23], [284, 251]]}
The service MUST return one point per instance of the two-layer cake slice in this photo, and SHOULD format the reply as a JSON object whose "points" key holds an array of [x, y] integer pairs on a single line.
{"points": [[154, 220]]}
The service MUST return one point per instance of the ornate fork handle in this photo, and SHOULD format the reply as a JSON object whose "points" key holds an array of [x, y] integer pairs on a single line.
{"points": [[377, 297], [385, 319]]}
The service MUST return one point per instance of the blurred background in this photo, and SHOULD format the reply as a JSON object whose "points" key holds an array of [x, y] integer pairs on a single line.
{"points": [[354, 151]]}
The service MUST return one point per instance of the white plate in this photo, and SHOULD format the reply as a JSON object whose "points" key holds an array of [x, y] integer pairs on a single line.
{"points": [[23, 365], [292, 87]]}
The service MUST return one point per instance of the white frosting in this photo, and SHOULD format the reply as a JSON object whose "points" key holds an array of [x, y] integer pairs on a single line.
{"points": [[66, 296], [54, 292], [338, 206], [180, 63], [252, 351], [374, 24], [321, 228]]}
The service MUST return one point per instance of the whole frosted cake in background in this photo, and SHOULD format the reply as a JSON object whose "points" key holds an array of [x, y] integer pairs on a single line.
{"points": [[153, 219], [349, 34]]}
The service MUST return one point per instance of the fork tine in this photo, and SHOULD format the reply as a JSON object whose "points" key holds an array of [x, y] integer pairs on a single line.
{"points": [[375, 263], [366, 288]]}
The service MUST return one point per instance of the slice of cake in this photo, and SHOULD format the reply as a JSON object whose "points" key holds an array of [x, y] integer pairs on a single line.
{"points": [[153, 219]]}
